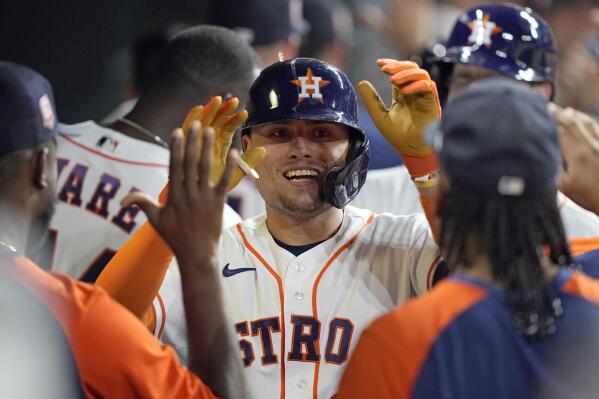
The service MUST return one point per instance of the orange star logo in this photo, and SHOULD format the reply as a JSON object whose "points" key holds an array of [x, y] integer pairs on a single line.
{"points": [[481, 31], [310, 86]]}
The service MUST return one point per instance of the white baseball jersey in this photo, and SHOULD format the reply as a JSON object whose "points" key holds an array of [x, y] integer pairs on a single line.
{"points": [[97, 167], [391, 190], [299, 318]]}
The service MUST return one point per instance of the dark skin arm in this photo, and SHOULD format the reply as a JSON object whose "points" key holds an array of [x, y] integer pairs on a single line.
{"points": [[190, 222], [579, 140]]}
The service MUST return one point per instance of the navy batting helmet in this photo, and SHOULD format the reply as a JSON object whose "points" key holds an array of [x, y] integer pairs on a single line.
{"points": [[310, 89], [514, 41]]}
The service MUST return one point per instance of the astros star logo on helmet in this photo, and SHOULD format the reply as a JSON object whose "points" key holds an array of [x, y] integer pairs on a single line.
{"points": [[310, 86], [482, 29]]}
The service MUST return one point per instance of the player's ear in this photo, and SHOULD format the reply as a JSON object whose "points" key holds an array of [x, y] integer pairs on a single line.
{"points": [[41, 165], [246, 142]]}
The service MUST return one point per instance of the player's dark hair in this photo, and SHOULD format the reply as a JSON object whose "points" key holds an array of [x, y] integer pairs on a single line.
{"points": [[513, 232], [146, 55], [204, 61]]}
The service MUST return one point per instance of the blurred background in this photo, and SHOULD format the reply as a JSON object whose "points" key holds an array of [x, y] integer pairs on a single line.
{"points": [[98, 54]]}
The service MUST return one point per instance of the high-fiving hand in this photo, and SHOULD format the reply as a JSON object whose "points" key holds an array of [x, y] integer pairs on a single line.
{"points": [[414, 105], [191, 219], [224, 118]]}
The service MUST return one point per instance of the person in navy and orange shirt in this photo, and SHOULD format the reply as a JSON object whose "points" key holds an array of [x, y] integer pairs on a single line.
{"points": [[514, 319], [105, 352]]}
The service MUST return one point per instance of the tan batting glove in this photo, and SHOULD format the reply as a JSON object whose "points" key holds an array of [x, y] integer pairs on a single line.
{"points": [[224, 118], [415, 103]]}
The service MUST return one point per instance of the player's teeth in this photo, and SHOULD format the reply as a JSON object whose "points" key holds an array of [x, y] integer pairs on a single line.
{"points": [[301, 172]]}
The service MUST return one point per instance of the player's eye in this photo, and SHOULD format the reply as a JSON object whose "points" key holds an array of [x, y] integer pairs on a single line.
{"points": [[279, 133], [321, 132]]}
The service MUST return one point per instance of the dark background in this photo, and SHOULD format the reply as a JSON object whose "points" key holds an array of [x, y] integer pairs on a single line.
{"points": [[82, 46]]}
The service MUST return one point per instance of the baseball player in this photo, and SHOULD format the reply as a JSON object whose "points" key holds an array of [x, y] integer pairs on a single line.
{"points": [[108, 353], [500, 39], [304, 279], [100, 165], [512, 321]]}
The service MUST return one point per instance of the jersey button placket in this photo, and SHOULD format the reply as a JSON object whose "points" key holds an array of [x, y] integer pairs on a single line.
{"points": [[302, 384]]}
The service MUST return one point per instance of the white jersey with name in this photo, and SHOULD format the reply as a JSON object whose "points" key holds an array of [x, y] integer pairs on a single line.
{"points": [[97, 167], [298, 319]]}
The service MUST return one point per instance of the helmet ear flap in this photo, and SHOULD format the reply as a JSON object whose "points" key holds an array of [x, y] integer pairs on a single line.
{"points": [[342, 184]]}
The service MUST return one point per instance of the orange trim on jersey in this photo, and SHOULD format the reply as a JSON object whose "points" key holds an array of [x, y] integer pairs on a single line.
{"points": [[100, 154], [163, 311], [406, 335], [430, 273], [579, 246], [281, 299], [583, 286], [315, 294], [149, 320]]}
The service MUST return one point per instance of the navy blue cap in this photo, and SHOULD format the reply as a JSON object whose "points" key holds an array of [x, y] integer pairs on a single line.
{"points": [[497, 137], [27, 112]]}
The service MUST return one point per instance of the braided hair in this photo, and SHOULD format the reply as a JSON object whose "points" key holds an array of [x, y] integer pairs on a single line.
{"points": [[515, 233]]}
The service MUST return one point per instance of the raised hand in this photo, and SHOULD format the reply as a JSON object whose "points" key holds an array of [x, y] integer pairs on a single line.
{"points": [[191, 219], [415, 103], [225, 119]]}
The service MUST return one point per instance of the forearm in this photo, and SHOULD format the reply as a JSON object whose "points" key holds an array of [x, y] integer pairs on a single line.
{"points": [[135, 273], [213, 353]]}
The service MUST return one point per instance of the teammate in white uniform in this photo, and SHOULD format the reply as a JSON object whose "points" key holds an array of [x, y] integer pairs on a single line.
{"points": [[98, 166], [304, 279], [401, 198], [458, 71]]}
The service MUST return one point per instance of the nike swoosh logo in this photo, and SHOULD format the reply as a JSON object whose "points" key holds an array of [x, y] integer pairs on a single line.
{"points": [[231, 272]]}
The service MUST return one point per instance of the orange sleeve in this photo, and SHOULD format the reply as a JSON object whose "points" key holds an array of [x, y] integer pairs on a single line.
{"points": [[118, 358], [135, 273], [429, 211], [391, 352], [116, 355], [579, 246], [372, 371]]}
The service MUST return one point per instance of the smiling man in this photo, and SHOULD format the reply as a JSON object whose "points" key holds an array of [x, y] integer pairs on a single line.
{"points": [[303, 279]]}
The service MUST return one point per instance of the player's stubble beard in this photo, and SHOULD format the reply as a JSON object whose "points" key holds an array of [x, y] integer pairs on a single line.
{"points": [[285, 203]]}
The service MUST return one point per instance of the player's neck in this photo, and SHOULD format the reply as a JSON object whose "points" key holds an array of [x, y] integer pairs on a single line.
{"points": [[160, 123], [14, 228], [302, 231]]}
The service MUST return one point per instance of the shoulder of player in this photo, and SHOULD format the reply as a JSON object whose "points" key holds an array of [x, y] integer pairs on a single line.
{"points": [[111, 144], [251, 225], [66, 297], [412, 226], [423, 319]]}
